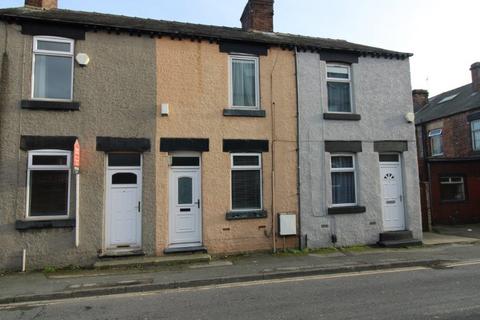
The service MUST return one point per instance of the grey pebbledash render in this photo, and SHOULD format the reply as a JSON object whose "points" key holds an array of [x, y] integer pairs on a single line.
{"points": [[357, 151]]}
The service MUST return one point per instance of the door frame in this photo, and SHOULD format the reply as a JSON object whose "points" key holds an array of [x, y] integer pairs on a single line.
{"points": [[404, 209], [106, 229], [171, 170]]}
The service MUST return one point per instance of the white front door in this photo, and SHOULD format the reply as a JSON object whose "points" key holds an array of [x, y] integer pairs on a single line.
{"points": [[123, 208], [392, 193], [185, 220]]}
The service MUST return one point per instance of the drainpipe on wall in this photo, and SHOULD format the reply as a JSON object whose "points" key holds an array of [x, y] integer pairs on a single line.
{"points": [[428, 198], [300, 242], [274, 139]]}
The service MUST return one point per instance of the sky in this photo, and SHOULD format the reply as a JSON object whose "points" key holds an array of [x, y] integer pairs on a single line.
{"points": [[440, 33]]}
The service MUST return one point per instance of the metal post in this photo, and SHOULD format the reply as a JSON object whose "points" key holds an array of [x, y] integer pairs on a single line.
{"points": [[77, 209]]}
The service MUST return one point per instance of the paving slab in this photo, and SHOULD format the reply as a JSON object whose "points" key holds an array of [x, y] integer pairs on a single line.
{"points": [[464, 230], [431, 238]]}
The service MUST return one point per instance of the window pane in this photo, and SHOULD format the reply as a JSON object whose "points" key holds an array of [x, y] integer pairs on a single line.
{"points": [[476, 134], [338, 97], [185, 190], [49, 160], [436, 145], [452, 192], [124, 160], [389, 158], [246, 161], [342, 162], [243, 83], [343, 187], [476, 140], [246, 189], [476, 125], [48, 193], [124, 178], [337, 72], [185, 161], [53, 77], [435, 132], [53, 46]]}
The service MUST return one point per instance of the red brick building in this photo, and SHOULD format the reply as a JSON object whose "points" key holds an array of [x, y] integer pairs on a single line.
{"points": [[448, 139]]}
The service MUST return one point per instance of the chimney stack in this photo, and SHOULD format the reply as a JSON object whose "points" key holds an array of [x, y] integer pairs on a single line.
{"points": [[420, 99], [475, 68], [42, 4], [258, 16]]}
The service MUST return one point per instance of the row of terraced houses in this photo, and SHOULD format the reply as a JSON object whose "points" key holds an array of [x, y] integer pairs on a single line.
{"points": [[127, 136]]}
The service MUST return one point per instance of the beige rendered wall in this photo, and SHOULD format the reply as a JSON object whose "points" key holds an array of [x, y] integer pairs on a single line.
{"points": [[117, 95], [192, 78]]}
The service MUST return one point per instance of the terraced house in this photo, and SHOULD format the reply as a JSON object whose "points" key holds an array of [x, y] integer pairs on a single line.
{"points": [[127, 136]]}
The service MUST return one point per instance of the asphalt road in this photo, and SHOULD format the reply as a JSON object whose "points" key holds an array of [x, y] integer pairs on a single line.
{"points": [[411, 293]]}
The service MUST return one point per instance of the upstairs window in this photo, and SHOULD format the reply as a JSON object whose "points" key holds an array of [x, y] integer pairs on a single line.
{"points": [[244, 82], [246, 182], [435, 137], [452, 189], [52, 68], [475, 127], [48, 181], [339, 88], [343, 180]]}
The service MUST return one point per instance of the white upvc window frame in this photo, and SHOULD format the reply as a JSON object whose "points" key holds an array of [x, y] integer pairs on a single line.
{"points": [[340, 80], [450, 180], [256, 60], [69, 54], [475, 144], [432, 134], [31, 167], [246, 168], [353, 169]]}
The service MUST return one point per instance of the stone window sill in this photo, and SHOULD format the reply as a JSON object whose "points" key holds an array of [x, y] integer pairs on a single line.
{"points": [[50, 105], [23, 225], [342, 116], [244, 113], [346, 210], [242, 215]]}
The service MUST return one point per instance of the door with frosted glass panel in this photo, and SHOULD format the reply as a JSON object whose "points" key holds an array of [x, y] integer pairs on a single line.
{"points": [[185, 214]]}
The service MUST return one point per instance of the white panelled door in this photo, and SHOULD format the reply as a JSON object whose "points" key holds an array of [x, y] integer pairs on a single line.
{"points": [[392, 196], [185, 223], [123, 208]]}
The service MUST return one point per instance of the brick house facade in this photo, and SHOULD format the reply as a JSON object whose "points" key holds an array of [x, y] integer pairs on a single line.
{"points": [[449, 169]]}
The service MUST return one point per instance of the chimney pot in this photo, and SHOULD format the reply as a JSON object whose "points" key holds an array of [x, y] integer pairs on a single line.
{"points": [[475, 68], [420, 99], [42, 4], [258, 15]]}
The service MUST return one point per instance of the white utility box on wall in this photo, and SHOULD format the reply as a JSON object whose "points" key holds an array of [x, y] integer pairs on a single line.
{"points": [[287, 224]]}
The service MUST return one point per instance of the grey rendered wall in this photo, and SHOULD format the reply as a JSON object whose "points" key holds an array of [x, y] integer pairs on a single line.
{"points": [[117, 95], [381, 95]]}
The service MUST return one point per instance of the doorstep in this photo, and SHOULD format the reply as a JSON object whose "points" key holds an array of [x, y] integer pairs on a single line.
{"points": [[151, 261], [398, 239], [121, 253]]}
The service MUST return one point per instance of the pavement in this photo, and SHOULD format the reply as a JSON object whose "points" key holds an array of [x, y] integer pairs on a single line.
{"points": [[464, 230], [433, 238], [65, 284]]}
